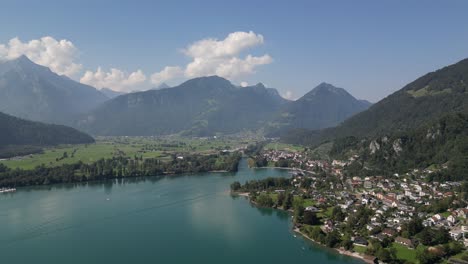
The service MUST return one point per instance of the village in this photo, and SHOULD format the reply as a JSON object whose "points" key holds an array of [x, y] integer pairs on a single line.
{"points": [[405, 212]]}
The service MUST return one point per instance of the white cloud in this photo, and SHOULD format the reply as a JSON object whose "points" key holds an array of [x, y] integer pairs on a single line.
{"points": [[232, 45], [288, 95], [219, 57], [115, 79], [58, 55], [168, 73], [237, 67], [227, 58], [244, 84]]}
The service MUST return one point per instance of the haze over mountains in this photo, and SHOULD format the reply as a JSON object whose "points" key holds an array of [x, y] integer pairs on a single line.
{"points": [[33, 92], [426, 99], [198, 107], [392, 134], [208, 105], [110, 93], [324, 106]]}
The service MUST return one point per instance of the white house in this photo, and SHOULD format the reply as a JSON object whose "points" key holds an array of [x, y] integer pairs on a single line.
{"points": [[456, 233]]}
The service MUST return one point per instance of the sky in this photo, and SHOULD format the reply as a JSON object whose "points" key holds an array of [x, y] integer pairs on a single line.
{"points": [[370, 48]]}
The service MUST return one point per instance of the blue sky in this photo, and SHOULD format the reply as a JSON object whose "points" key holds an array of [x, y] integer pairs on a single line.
{"points": [[370, 48]]}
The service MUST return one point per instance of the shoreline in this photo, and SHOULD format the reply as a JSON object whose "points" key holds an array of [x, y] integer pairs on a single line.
{"points": [[283, 168], [298, 231], [337, 250], [163, 174]]}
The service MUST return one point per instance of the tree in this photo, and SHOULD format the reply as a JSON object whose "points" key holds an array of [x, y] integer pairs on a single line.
{"points": [[332, 239], [235, 186], [413, 227], [441, 236], [426, 257], [346, 242], [298, 212], [386, 255], [288, 202], [337, 214], [310, 218], [280, 199], [264, 200], [425, 237]]}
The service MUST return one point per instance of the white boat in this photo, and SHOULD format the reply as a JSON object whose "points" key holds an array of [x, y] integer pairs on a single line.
{"points": [[7, 190]]}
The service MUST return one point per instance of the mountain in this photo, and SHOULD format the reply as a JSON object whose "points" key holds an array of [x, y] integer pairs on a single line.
{"points": [[424, 100], [199, 107], [19, 132], [324, 106], [33, 92], [110, 93], [163, 86], [440, 145]]}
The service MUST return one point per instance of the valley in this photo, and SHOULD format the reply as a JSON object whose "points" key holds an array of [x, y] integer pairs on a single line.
{"points": [[130, 147], [234, 132]]}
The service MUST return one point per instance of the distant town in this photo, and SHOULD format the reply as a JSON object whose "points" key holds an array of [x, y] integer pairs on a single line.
{"points": [[391, 219]]}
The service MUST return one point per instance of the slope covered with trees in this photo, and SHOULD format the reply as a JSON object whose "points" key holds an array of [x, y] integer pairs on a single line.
{"points": [[322, 107], [441, 146], [117, 167], [424, 100], [209, 105], [21, 136]]}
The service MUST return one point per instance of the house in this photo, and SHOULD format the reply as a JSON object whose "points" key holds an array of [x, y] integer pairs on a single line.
{"points": [[312, 209], [456, 234], [380, 236], [463, 213], [404, 241], [438, 217], [360, 241], [389, 232], [368, 184], [428, 222], [451, 219], [329, 226]]}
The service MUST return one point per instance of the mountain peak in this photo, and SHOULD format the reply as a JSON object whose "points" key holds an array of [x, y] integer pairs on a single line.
{"points": [[327, 88], [208, 82], [24, 60], [163, 86], [261, 85]]}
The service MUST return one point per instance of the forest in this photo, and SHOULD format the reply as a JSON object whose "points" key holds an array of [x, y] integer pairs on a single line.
{"points": [[117, 167]]}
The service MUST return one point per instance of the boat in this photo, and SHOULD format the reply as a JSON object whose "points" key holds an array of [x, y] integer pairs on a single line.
{"points": [[7, 190]]}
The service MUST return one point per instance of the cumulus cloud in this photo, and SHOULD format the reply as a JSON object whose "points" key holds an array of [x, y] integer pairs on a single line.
{"points": [[115, 79], [288, 95], [227, 58], [58, 55], [168, 73], [219, 57], [244, 84], [232, 45]]}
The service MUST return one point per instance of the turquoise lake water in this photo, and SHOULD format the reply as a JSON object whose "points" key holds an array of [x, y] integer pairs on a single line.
{"points": [[178, 219]]}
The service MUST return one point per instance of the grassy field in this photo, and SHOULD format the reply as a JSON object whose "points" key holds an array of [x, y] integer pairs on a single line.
{"points": [[283, 146], [145, 147], [405, 253], [360, 249]]}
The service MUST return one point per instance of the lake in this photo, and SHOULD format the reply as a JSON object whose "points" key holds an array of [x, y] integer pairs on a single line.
{"points": [[177, 219]]}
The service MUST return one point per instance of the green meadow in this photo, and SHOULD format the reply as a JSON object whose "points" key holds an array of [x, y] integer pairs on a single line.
{"points": [[108, 147]]}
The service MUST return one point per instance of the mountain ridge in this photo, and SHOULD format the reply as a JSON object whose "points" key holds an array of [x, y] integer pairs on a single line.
{"points": [[427, 98], [20, 132], [34, 92]]}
